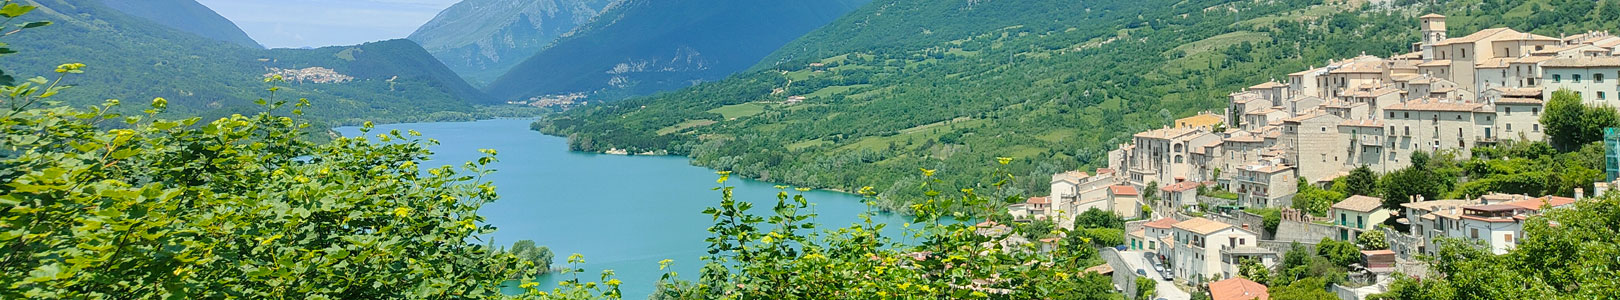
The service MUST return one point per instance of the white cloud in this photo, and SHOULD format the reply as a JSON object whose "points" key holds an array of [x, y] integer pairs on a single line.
{"points": [[300, 23]]}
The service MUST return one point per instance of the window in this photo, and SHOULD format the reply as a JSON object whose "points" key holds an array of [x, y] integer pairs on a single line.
{"points": [[1507, 238], [1473, 232], [1463, 53], [1577, 78], [1558, 78], [1507, 110], [1406, 115], [1602, 96], [1392, 115], [1535, 127], [1535, 111], [1408, 130], [1509, 127], [1324, 129], [1598, 78]]}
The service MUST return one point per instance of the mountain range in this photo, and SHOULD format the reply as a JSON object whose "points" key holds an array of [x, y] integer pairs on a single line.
{"points": [[482, 39], [188, 16], [951, 86], [204, 66], [640, 47]]}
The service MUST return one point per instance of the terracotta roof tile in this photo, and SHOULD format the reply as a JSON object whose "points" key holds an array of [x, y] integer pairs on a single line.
{"points": [[1122, 190], [1237, 288], [1435, 105], [1165, 223], [1038, 200], [1359, 203], [1180, 187], [1584, 62], [1202, 226]]}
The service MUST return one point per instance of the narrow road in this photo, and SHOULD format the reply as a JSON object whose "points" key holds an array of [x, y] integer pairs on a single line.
{"points": [[1165, 288]]}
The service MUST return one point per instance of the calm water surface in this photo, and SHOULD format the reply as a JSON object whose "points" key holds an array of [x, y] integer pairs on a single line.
{"points": [[624, 213]]}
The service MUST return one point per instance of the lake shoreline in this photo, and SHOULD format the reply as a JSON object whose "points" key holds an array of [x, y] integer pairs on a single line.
{"points": [[621, 212]]}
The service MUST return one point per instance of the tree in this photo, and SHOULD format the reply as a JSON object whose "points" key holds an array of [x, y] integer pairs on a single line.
{"points": [[1399, 186], [1145, 288], [1372, 240], [1097, 218], [1254, 270], [1152, 192], [1571, 124], [1361, 181], [1270, 218], [1308, 288], [1340, 253], [245, 206], [540, 256], [1313, 200]]}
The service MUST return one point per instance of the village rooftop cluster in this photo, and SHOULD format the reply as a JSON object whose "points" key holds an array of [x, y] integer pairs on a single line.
{"points": [[1447, 94]]}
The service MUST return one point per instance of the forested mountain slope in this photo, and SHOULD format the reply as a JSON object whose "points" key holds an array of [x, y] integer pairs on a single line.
{"points": [[643, 46], [482, 39], [187, 16], [1053, 84], [134, 59]]}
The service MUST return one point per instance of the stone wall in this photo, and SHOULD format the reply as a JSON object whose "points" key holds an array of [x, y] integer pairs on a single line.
{"points": [[1256, 223], [1282, 247], [1304, 232], [1124, 275]]}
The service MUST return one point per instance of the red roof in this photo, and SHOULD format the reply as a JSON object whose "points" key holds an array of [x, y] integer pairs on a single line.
{"points": [[1237, 288], [1122, 190], [1164, 223], [1180, 187], [1536, 204], [1101, 171], [1039, 200]]}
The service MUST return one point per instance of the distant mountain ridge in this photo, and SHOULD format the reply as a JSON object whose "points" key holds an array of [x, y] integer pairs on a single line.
{"points": [[188, 16], [482, 39], [640, 47], [133, 58]]}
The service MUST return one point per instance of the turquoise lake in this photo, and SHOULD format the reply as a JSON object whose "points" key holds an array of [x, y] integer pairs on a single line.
{"points": [[623, 213]]}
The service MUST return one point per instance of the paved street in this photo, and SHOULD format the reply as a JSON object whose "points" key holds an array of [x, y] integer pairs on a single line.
{"points": [[1165, 289]]}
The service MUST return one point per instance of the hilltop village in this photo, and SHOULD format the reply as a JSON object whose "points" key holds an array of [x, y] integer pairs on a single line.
{"points": [[1194, 187]]}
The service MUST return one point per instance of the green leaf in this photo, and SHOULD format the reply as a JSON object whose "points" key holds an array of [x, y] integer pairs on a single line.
{"points": [[35, 24], [15, 10]]}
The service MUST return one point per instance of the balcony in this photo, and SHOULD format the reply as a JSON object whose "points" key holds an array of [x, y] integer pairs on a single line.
{"points": [[1373, 141], [1485, 139]]}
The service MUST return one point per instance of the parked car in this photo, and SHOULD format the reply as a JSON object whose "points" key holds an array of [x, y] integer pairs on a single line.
{"points": [[1168, 275], [1120, 247], [1141, 272]]}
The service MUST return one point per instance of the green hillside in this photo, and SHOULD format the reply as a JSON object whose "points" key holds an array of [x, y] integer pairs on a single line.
{"points": [[639, 47], [482, 39], [1053, 84], [186, 15], [135, 59]]}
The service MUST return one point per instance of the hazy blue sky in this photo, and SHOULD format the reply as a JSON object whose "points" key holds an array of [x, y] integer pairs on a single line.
{"points": [[300, 23]]}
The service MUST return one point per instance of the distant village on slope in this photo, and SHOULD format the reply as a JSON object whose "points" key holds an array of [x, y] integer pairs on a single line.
{"points": [[1446, 95]]}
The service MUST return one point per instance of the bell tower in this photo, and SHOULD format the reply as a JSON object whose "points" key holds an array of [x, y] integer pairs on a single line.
{"points": [[1434, 31]]}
